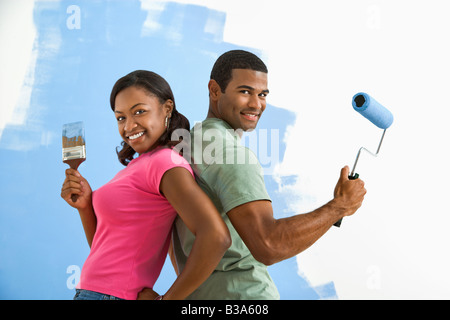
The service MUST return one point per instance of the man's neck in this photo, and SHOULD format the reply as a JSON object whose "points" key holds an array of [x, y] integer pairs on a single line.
{"points": [[211, 114]]}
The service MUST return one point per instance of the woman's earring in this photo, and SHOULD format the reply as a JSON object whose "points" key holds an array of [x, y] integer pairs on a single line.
{"points": [[167, 122]]}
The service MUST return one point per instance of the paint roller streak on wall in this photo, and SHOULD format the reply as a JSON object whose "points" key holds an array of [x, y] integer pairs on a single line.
{"points": [[17, 60], [154, 10], [22, 126]]}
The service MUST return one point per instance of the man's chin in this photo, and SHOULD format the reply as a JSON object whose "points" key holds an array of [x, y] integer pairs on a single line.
{"points": [[245, 127], [249, 128]]}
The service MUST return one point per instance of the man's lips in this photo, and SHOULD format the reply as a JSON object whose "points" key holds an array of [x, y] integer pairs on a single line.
{"points": [[251, 116]]}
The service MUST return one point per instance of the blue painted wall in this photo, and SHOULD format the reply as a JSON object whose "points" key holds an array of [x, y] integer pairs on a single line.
{"points": [[82, 50]]}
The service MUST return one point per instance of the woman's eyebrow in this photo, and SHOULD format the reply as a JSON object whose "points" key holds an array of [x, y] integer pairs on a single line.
{"points": [[137, 104]]}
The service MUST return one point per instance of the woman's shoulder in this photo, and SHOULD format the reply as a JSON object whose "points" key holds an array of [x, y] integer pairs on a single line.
{"points": [[167, 155]]}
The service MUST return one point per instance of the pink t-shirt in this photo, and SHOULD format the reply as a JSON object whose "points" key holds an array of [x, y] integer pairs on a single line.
{"points": [[134, 222]]}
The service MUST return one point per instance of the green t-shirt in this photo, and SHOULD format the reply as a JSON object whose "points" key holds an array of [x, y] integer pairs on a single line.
{"points": [[230, 175]]}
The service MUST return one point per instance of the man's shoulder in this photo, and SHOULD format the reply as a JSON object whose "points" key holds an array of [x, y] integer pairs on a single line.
{"points": [[213, 125], [214, 141]]}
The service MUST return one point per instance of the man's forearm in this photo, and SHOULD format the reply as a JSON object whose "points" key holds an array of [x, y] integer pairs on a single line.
{"points": [[271, 240], [290, 236]]}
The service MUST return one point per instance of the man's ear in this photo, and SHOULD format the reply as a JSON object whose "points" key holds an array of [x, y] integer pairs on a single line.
{"points": [[214, 90]]}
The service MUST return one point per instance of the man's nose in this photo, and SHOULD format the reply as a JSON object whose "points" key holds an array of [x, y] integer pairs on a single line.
{"points": [[255, 102]]}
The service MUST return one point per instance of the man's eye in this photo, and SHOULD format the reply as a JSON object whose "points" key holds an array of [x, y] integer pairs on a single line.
{"points": [[120, 118]]}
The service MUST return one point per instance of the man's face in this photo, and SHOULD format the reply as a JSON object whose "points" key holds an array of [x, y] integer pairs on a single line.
{"points": [[244, 99]]}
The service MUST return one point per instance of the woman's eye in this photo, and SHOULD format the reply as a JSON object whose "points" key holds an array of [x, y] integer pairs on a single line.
{"points": [[139, 112], [120, 118]]}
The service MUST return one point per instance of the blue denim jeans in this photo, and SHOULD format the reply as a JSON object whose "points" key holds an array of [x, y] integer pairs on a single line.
{"points": [[92, 295]]}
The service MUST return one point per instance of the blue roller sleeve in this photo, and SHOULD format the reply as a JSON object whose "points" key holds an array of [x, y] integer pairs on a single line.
{"points": [[372, 110]]}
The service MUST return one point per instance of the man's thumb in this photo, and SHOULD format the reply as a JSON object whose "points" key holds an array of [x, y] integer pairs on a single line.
{"points": [[344, 173]]}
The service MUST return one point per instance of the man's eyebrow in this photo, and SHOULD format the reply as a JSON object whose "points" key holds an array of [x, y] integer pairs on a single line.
{"points": [[252, 89], [137, 104]]}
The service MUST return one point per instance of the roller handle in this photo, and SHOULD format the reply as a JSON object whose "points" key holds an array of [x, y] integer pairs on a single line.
{"points": [[351, 177]]}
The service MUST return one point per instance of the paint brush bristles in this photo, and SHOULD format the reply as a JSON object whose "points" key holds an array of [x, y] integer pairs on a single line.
{"points": [[73, 146], [73, 143]]}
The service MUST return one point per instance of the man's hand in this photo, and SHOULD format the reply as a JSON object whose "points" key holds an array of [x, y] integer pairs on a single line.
{"points": [[349, 194]]}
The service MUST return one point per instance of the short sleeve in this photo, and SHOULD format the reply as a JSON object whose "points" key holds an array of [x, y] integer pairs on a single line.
{"points": [[160, 162], [238, 183]]}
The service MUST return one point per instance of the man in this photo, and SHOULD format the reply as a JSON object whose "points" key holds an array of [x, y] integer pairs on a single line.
{"points": [[237, 99]]}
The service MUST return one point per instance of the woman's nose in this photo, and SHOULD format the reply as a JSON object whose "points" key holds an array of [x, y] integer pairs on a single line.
{"points": [[130, 124]]}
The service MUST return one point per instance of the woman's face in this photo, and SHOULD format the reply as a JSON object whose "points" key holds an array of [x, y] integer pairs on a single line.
{"points": [[141, 118]]}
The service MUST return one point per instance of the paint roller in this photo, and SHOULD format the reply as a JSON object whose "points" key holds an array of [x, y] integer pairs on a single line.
{"points": [[373, 111]]}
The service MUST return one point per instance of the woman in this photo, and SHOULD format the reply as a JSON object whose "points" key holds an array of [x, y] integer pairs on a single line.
{"points": [[128, 221]]}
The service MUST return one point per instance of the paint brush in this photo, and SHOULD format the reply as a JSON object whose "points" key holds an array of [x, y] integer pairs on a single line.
{"points": [[73, 146]]}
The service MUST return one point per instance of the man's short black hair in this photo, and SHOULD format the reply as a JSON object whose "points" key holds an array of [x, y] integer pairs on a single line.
{"points": [[235, 59]]}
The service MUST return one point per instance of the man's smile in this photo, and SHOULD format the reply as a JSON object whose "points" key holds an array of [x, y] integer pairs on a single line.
{"points": [[250, 116]]}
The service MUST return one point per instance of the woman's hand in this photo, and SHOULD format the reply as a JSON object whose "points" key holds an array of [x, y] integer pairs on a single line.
{"points": [[75, 184], [212, 237], [147, 294]]}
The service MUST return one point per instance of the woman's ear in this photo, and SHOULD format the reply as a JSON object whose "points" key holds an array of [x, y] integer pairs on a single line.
{"points": [[168, 107]]}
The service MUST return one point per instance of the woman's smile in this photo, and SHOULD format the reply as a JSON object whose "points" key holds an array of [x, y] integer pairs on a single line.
{"points": [[141, 118], [135, 136]]}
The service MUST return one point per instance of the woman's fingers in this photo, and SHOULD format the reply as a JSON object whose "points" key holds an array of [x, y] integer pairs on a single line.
{"points": [[72, 185]]}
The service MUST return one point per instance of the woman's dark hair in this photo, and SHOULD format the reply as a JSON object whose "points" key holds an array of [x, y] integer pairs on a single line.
{"points": [[154, 85], [235, 59]]}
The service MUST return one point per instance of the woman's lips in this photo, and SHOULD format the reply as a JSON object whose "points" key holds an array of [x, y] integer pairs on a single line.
{"points": [[135, 136]]}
